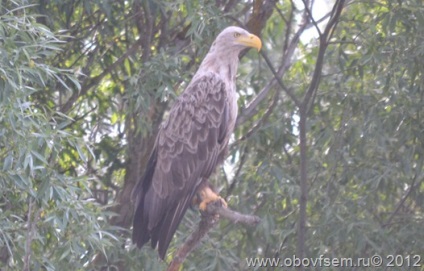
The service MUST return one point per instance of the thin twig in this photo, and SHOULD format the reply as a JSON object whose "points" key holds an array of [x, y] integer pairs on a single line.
{"points": [[309, 12], [250, 109], [237, 174], [260, 122], [399, 205]]}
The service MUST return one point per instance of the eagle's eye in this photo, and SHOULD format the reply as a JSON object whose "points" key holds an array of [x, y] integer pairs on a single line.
{"points": [[236, 35]]}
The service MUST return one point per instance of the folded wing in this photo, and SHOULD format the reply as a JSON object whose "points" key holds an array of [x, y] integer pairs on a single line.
{"points": [[186, 152]]}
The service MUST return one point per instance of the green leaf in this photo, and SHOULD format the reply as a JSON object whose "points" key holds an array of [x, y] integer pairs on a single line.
{"points": [[8, 162], [39, 156], [81, 153]]}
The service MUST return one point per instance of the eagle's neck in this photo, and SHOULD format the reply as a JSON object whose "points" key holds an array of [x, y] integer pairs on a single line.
{"points": [[224, 63]]}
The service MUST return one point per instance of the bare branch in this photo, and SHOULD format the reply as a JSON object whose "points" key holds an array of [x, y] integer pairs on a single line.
{"points": [[306, 104], [242, 160], [250, 109], [233, 216], [288, 28], [309, 12], [278, 78], [91, 82], [289, 49], [259, 123], [399, 205], [208, 221], [323, 44]]}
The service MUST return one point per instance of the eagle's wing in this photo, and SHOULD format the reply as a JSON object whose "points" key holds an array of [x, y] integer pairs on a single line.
{"points": [[187, 149]]}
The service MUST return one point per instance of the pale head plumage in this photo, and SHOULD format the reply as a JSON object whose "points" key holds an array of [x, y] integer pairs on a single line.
{"points": [[223, 54], [232, 40]]}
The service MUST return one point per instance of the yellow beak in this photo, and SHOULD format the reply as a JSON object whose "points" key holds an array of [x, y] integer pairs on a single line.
{"points": [[250, 41]]}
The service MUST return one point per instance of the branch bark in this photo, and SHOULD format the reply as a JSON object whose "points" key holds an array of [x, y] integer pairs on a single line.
{"points": [[209, 219]]}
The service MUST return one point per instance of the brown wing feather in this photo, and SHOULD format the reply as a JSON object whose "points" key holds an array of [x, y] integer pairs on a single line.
{"points": [[187, 150]]}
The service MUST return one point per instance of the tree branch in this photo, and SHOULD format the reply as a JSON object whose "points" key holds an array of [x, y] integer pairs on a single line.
{"points": [[306, 104], [91, 82], [209, 219], [31, 229], [323, 44], [250, 109], [27, 256], [399, 205], [233, 216]]}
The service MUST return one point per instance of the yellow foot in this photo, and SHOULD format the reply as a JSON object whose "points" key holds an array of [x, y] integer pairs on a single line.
{"points": [[208, 196]]}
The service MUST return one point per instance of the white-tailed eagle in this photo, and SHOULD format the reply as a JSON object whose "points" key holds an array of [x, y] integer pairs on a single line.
{"points": [[190, 143]]}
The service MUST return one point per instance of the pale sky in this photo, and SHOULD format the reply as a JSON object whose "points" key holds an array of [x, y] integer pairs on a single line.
{"points": [[319, 10]]}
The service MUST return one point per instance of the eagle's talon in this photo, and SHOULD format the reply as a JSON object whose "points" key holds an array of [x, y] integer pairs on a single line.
{"points": [[208, 196], [203, 205]]}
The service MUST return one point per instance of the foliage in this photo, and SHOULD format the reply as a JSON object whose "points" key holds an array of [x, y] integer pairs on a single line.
{"points": [[48, 218], [75, 74]]}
